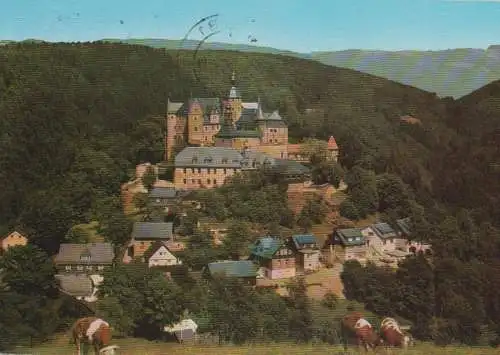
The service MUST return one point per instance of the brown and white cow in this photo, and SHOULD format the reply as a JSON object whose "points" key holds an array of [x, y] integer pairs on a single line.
{"points": [[392, 334], [355, 327], [92, 331]]}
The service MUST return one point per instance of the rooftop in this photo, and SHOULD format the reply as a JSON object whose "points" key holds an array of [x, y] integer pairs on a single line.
{"points": [[152, 230], [208, 157], [350, 236], [266, 247], [163, 192], [99, 253], [383, 230], [76, 285], [404, 225], [240, 268], [304, 241]]}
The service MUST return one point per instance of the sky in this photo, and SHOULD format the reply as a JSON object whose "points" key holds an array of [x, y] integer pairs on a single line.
{"points": [[297, 25]]}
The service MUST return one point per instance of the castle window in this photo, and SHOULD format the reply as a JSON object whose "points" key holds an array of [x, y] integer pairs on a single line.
{"points": [[225, 171], [193, 181], [199, 170], [185, 181], [208, 181], [196, 129], [215, 182], [199, 181], [185, 170]]}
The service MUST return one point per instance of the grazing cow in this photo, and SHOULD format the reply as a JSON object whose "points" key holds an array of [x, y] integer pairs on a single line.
{"points": [[354, 326], [391, 333], [92, 331]]}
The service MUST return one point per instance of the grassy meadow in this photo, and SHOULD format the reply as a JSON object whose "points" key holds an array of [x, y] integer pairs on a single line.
{"points": [[133, 346]]}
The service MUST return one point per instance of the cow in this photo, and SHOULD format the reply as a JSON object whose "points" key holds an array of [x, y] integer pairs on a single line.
{"points": [[354, 326], [393, 336], [92, 331]]}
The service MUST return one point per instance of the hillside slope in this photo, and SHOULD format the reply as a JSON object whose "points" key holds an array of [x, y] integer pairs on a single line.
{"points": [[474, 165], [64, 107], [454, 72]]}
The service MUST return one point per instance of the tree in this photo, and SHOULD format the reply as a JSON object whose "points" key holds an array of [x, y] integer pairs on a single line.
{"points": [[300, 321], [393, 193], [149, 178], [117, 228], [189, 222], [142, 300], [348, 210], [330, 300], [162, 305], [273, 315], [111, 309], [233, 310], [236, 239], [78, 234], [141, 201], [28, 270], [315, 149]]}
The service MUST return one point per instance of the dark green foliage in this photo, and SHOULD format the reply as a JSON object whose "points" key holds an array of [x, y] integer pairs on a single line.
{"points": [[313, 212], [300, 321], [149, 178], [237, 239], [140, 300], [28, 270], [74, 118]]}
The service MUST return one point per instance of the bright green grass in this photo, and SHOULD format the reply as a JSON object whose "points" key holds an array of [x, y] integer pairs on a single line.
{"points": [[138, 346]]}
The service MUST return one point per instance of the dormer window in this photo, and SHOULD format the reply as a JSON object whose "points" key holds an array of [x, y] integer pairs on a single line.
{"points": [[194, 160], [224, 160], [85, 257], [207, 160]]}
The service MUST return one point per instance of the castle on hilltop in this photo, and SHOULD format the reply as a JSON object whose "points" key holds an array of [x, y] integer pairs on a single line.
{"points": [[231, 123]]}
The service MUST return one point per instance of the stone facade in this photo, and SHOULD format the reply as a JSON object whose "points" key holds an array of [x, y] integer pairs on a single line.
{"points": [[229, 123]]}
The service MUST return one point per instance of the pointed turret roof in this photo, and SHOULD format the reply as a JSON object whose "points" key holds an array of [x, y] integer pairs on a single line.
{"points": [[332, 144]]}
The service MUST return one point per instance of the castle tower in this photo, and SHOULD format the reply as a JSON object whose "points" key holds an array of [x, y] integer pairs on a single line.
{"points": [[234, 100], [174, 136], [195, 122]]}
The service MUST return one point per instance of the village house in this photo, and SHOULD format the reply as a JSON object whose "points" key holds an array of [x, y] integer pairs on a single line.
{"points": [[307, 252], [244, 270], [79, 286], [135, 186], [163, 197], [205, 167], [159, 254], [11, 240], [275, 258], [91, 258], [346, 244], [381, 237], [407, 241], [146, 233]]}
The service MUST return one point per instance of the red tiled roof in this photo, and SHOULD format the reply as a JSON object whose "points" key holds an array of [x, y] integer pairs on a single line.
{"points": [[332, 144]]}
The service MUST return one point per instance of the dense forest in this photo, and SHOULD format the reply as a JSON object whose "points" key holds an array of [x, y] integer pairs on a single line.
{"points": [[76, 118]]}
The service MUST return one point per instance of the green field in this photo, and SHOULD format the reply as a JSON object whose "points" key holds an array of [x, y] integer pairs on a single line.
{"points": [[143, 347]]}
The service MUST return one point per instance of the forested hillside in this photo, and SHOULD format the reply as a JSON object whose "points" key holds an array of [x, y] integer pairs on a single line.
{"points": [[76, 117], [473, 166]]}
